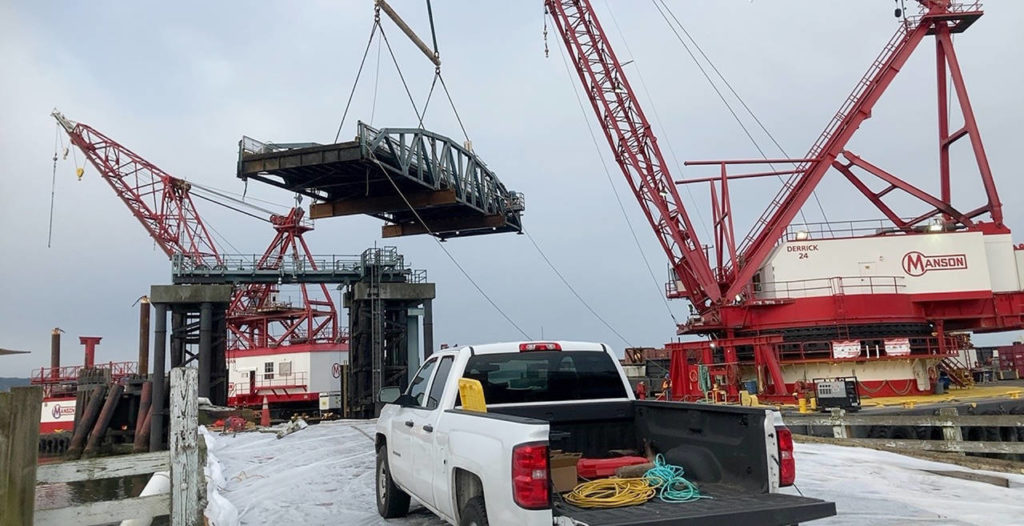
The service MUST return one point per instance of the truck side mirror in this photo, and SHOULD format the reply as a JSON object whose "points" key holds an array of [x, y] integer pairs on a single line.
{"points": [[388, 395]]}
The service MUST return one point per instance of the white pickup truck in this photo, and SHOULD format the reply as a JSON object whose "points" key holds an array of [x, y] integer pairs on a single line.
{"points": [[479, 468]]}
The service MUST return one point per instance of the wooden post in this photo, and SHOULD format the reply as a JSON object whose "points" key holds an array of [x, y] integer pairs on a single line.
{"points": [[85, 420], [99, 430], [184, 450], [141, 444], [19, 450], [838, 429], [951, 433]]}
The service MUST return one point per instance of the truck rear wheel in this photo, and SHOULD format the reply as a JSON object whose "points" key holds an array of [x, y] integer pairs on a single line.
{"points": [[474, 513], [392, 502]]}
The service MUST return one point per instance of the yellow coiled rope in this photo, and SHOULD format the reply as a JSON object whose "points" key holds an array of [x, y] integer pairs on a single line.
{"points": [[664, 480], [611, 493]]}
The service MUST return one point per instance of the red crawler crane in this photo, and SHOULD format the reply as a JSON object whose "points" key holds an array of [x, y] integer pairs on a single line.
{"points": [[163, 204], [782, 307]]}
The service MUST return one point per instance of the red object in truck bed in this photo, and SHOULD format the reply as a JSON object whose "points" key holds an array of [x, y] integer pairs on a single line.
{"points": [[594, 468]]}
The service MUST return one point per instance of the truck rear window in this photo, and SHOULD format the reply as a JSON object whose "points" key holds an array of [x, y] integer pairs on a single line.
{"points": [[545, 376]]}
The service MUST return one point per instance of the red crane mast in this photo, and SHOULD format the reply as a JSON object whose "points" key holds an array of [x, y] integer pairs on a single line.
{"points": [[756, 325], [941, 19], [256, 320]]}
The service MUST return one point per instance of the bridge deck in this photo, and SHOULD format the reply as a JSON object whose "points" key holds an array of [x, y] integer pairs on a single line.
{"points": [[450, 188]]}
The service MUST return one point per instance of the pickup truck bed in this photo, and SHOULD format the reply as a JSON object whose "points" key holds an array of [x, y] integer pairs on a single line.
{"points": [[716, 444], [729, 506], [707, 440]]}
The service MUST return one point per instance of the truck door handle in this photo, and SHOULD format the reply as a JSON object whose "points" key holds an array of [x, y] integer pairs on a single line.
{"points": [[408, 423], [428, 428]]}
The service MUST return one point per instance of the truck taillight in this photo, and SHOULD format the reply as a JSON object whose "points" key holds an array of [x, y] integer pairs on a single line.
{"points": [[530, 476], [787, 464], [540, 346]]}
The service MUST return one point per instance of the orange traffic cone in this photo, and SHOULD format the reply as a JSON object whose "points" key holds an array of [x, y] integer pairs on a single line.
{"points": [[265, 414]]}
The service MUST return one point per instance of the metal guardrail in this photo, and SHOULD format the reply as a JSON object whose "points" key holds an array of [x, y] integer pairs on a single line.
{"points": [[948, 419], [246, 268], [250, 145], [839, 229], [920, 347], [954, 7], [69, 373], [830, 286]]}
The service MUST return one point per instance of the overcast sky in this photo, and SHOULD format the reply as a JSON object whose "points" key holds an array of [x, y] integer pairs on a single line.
{"points": [[180, 83]]}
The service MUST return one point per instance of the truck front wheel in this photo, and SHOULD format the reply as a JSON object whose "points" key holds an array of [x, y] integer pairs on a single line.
{"points": [[392, 502], [474, 513]]}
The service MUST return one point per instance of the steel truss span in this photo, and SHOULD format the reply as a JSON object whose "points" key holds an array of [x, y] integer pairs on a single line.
{"points": [[416, 180]]}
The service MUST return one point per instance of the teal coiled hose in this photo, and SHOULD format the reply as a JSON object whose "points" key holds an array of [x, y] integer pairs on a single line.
{"points": [[670, 483]]}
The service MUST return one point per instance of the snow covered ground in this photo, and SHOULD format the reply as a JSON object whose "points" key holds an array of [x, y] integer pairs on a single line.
{"points": [[325, 475], [878, 487]]}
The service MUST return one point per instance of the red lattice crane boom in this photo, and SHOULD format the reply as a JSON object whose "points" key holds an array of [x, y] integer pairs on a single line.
{"points": [[158, 200], [636, 148], [163, 204]]}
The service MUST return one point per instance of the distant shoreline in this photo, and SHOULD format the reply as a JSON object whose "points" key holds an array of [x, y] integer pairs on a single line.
{"points": [[7, 383]]}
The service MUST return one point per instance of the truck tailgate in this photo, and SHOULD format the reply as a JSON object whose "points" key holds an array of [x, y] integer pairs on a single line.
{"points": [[729, 506]]}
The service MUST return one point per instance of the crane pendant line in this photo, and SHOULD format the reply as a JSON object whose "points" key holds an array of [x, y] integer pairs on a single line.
{"points": [[158, 200], [636, 149], [940, 19]]}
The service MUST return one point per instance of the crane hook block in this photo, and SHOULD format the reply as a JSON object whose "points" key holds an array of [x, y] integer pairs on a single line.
{"points": [[79, 172]]}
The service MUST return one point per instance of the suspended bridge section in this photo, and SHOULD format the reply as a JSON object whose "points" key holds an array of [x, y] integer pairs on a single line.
{"points": [[417, 181]]}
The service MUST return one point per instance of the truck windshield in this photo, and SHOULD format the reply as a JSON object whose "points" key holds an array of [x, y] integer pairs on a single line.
{"points": [[545, 376]]}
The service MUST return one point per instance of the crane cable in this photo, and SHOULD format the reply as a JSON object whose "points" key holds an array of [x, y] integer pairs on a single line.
{"points": [[241, 197], [53, 185], [58, 144], [657, 119], [421, 115], [433, 33], [229, 207], [221, 194], [79, 167], [359, 72], [415, 213], [722, 96], [438, 77], [401, 76], [618, 198], [573, 290], [376, 81], [373, 157]]}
